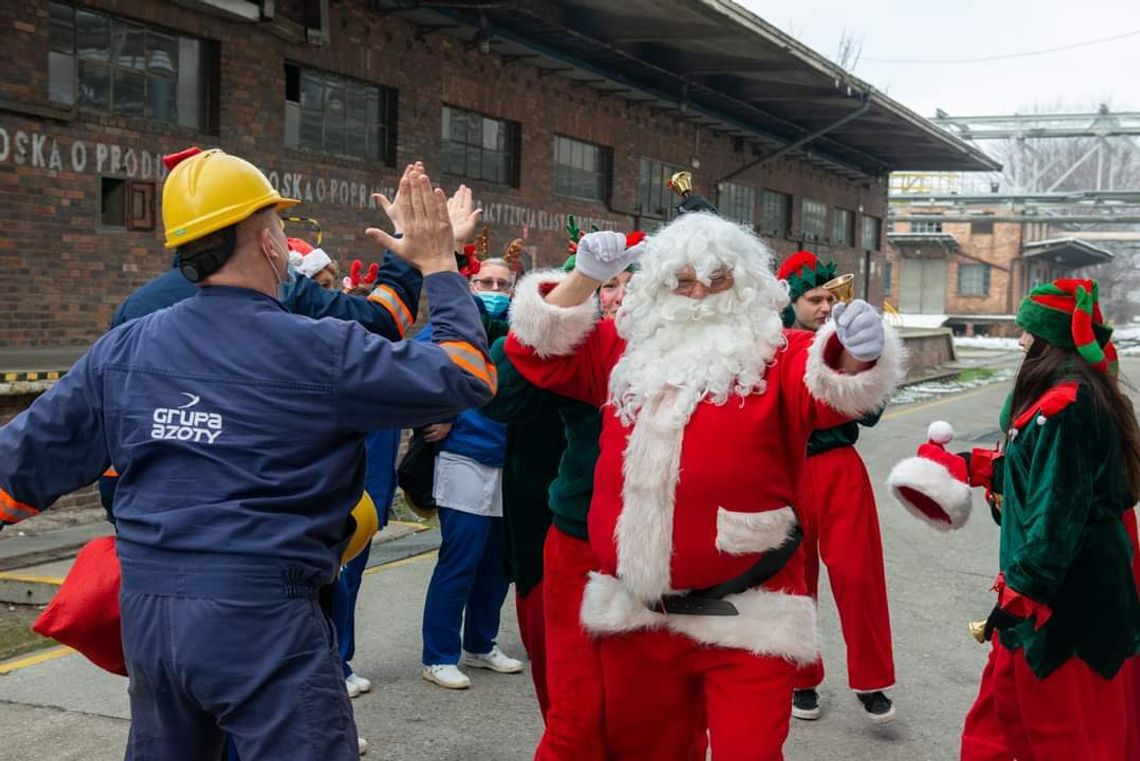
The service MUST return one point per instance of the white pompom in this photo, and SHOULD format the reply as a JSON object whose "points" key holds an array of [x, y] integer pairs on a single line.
{"points": [[940, 432]]}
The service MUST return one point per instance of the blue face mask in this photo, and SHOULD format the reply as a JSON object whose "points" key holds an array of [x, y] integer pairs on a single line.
{"points": [[495, 303]]}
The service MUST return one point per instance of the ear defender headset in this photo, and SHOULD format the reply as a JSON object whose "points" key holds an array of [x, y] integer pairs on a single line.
{"points": [[202, 258]]}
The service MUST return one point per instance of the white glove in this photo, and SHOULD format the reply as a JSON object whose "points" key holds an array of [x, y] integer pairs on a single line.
{"points": [[860, 330], [603, 254]]}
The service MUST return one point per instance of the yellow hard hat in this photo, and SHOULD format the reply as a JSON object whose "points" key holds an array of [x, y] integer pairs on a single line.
{"points": [[209, 190], [366, 523]]}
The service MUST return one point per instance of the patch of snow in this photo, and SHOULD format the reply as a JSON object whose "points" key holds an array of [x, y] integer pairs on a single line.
{"points": [[1126, 333], [921, 320], [986, 342], [921, 392]]}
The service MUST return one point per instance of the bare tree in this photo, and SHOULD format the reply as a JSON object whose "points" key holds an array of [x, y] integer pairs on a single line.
{"points": [[850, 50]]}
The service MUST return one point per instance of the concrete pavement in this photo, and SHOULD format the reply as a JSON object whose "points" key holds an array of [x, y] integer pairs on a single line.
{"points": [[938, 583]]}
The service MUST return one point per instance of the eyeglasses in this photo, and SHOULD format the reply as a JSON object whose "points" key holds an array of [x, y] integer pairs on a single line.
{"points": [[492, 284], [719, 281]]}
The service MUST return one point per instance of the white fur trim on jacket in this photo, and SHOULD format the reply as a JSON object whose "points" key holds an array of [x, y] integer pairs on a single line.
{"points": [[859, 394], [651, 467], [548, 329], [934, 482], [745, 533], [769, 623]]}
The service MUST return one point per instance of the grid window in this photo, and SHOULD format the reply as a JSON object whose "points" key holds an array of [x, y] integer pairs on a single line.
{"points": [[813, 219], [341, 116], [926, 226], [973, 280], [738, 202], [480, 147], [107, 64], [777, 213], [888, 270], [653, 197], [581, 170], [843, 228], [872, 232]]}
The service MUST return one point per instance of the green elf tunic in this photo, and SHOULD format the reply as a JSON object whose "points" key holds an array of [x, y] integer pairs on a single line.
{"points": [[1063, 543]]}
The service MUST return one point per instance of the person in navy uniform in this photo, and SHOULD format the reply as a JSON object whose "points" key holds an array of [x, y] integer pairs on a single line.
{"points": [[237, 430]]}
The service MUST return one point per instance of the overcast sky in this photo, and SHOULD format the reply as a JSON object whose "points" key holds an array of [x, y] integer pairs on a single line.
{"points": [[957, 29]]}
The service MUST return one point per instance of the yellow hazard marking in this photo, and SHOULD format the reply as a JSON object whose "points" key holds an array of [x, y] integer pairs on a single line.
{"points": [[30, 579], [11, 377], [410, 524], [401, 563], [31, 660]]}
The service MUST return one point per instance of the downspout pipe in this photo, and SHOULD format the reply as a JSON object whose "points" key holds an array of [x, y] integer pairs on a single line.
{"points": [[864, 108]]}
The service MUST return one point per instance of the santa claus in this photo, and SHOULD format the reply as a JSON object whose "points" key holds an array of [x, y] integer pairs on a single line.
{"points": [[698, 600]]}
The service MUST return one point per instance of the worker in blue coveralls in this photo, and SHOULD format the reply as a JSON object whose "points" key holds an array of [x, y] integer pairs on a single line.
{"points": [[389, 310], [238, 433]]}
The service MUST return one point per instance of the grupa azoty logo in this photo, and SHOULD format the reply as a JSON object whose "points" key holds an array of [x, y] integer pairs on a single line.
{"points": [[185, 423]]}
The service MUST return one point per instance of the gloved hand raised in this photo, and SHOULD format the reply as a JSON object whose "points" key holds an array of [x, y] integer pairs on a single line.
{"points": [[860, 330], [605, 253]]}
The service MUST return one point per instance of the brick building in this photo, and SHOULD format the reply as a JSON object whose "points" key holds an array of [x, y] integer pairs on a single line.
{"points": [[971, 271], [577, 107]]}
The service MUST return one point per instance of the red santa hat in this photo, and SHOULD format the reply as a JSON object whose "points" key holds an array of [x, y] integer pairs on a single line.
{"points": [[313, 262], [934, 485]]}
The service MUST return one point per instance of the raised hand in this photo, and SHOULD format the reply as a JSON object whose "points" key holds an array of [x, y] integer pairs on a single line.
{"points": [[391, 207], [428, 241], [860, 330], [603, 254], [463, 214]]}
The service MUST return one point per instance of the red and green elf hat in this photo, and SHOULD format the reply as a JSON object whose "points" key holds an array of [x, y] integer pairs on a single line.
{"points": [[803, 272], [1066, 313]]}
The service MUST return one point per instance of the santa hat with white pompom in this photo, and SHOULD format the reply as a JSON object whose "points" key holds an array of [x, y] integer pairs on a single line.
{"points": [[934, 485]]}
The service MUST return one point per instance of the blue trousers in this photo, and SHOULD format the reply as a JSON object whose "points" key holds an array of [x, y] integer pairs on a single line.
{"points": [[344, 593], [467, 588], [231, 652]]}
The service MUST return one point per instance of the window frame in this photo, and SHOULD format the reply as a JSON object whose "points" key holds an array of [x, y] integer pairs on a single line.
{"points": [[191, 84], [935, 227], [659, 172], [603, 174], [877, 238], [379, 132], [787, 204], [984, 286], [728, 206], [843, 235], [804, 232], [512, 146]]}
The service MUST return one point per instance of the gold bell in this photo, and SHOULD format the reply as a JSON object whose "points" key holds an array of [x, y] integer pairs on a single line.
{"points": [[681, 183], [978, 631], [842, 287]]}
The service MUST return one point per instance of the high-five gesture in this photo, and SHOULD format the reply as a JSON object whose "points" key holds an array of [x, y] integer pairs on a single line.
{"points": [[464, 216], [391, 207], [428, 241]]}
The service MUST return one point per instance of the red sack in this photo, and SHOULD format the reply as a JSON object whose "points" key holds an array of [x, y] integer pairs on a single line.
{"points": [[84, 614]]}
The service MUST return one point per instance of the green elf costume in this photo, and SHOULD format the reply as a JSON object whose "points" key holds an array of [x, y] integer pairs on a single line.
{"points": [[836, 508], [1067, 620]]}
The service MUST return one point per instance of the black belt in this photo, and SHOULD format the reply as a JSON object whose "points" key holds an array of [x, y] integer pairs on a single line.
{"points": [[709, 601]]}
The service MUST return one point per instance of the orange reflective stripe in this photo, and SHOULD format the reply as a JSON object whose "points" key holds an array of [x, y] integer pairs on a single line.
{"points": [[12, 511], [110, 472], [472, 360], [386, 297]]}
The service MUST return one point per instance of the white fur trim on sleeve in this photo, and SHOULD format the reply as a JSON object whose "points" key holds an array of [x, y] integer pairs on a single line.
{"points": [[933, 481], [861, 393], [740, 533], [549, 330]]}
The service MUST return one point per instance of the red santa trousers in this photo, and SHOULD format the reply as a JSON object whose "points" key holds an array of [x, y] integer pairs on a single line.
{"points": [[841, 527], [658, 683], [574, 720], [1131, 669], [532, 629], [1074, 713]]}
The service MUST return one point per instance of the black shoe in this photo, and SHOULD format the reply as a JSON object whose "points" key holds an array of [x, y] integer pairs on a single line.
{"points": [[805, 704], [878, 706]]}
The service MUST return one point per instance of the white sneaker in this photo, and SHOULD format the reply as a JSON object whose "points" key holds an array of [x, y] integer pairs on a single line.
{"points": [[446, 675], [496, 660], [362, 744], [362, 684], [353, 690]]}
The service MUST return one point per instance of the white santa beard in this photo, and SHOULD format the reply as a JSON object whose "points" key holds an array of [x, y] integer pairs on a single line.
{"points": [[712, 347]]}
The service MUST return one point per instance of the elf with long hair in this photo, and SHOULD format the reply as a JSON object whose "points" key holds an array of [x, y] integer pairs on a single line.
{"points": [[1067, 618]]}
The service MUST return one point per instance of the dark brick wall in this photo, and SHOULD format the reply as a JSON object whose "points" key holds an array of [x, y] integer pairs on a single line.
{"points": [[69, 274]]}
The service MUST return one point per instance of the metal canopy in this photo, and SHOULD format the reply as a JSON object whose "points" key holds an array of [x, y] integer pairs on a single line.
{"points": [[1071, 253], [710, 62], [905, 242]]}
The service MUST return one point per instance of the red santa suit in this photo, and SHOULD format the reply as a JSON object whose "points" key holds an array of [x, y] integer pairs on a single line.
{"points": [[687, 501]]}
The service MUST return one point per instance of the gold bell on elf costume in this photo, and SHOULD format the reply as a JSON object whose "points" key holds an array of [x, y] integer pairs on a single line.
{"points": [[365, 524]]}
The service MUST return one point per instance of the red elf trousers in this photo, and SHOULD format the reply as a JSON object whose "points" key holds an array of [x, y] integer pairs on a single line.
{"points": [[532, 629], [836, 507]]}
